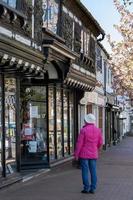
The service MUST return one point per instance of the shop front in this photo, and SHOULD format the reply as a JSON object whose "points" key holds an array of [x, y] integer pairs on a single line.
{"points": [[94, 103], [37, 112], [110, 121], [37, 121], [18, 106], [40, 97], [47, 124]]}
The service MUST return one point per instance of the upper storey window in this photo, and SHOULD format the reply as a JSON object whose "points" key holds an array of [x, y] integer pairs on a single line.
{"points": [[11, 3], [85, 41], [71, 30], [99, 59], [50, 14]]}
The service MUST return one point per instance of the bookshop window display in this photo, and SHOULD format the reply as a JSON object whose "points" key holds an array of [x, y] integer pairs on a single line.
{"points": [[61, 121], [33, 125], [52, 132], [58, 123], [66, 135], [8, 135], [71, 113], [10, 123]]}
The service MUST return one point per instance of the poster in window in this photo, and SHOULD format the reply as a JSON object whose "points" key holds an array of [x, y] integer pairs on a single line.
{"points": [[32, 147], [34, 111]]}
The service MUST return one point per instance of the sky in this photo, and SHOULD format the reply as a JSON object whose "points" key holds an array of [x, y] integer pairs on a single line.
{"points": [[106, 15]]}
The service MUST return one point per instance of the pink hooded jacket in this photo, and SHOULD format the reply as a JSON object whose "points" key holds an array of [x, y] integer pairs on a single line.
{"points": [[89, 141]]}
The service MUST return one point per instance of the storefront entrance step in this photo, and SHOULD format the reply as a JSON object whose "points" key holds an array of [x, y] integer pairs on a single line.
{"points": [[9, 180], [33, 166], [32, 174]]}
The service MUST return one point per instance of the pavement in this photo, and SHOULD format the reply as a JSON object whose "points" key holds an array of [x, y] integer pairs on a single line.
{"points": [[115, 179]]}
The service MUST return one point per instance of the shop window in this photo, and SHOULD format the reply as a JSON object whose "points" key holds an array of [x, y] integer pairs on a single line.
{"points": [[71, 110], [50, 14], [58, 121], [10, 124], [66, 137], [34, 125], [60, 138], [9, 133], [51, 124]]}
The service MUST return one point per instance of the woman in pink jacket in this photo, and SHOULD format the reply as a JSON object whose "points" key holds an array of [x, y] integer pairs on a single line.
{"points": [[88, 143]]}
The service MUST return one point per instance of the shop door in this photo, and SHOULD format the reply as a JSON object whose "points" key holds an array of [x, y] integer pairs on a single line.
{"points": [[89, 108], [33, 126]]}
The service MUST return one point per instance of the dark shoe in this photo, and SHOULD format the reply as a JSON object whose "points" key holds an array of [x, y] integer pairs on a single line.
{"points": [[92, 191], [84, 191]]}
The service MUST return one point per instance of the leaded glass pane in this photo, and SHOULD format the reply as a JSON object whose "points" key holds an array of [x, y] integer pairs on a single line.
{"points": [[11, 3], [50, 16]]}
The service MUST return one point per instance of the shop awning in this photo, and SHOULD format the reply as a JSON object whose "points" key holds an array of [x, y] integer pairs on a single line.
{"points": [[78, 77], [16, 58]]}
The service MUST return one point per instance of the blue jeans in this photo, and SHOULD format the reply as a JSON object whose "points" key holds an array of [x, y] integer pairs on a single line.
{"points": [[88, 165]]}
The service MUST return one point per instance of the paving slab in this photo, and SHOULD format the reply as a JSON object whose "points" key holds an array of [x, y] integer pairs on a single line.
{"points": [[115, 179]]}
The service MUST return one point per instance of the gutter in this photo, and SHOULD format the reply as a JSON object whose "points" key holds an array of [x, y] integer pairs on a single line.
{"points": [[102, 37]]}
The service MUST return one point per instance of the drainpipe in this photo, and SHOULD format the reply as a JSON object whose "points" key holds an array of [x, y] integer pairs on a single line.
{"points": [[102, 37]]}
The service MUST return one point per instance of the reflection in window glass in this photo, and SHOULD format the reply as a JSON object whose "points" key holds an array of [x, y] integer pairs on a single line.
{"points": [[10, 123], [66, 150], [87, 43], [82, 41], [51, 125], [58, 111], [50, 14], [34, 129], [11, 3], [0, 134], [71, 124]]}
